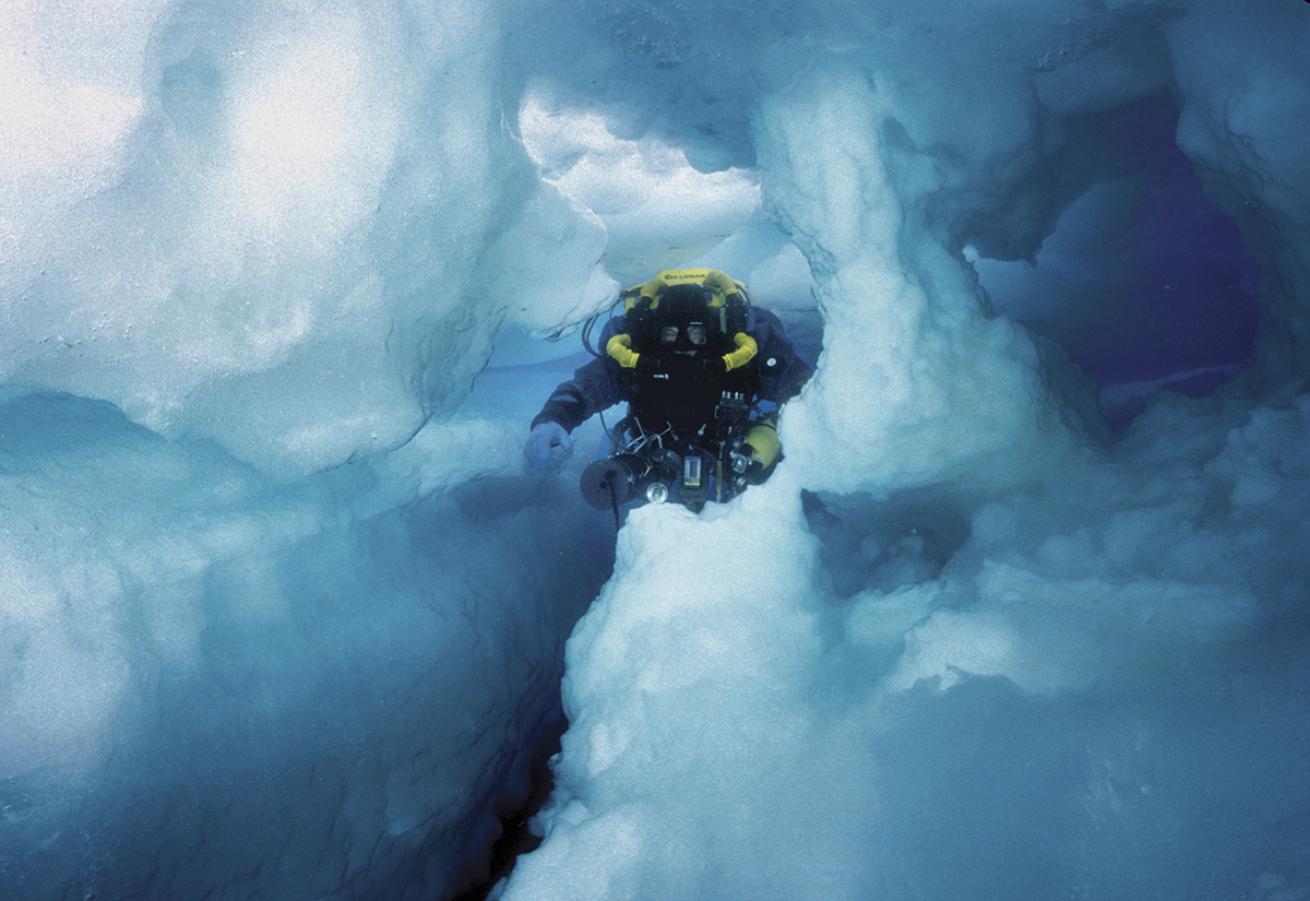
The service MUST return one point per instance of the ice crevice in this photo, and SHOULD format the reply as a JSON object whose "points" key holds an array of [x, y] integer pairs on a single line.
{"points": [[282, 615]]}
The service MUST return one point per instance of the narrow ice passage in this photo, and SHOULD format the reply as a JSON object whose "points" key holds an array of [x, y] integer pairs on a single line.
{"points": [[283, 615]]}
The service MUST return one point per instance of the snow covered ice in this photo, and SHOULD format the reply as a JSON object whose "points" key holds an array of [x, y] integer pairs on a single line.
{"points": [[281, 614]]}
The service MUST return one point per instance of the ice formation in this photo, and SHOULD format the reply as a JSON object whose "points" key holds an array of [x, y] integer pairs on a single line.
{"points": [[281, 614], [246, 251], [259, 234], [1017, 664]]}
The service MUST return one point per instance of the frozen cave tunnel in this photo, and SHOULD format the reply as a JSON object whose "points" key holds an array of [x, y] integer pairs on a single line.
{"points": [[1021, 615]]}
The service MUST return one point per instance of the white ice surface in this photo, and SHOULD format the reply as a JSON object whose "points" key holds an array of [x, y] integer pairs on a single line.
{"points": [[290, 228]]}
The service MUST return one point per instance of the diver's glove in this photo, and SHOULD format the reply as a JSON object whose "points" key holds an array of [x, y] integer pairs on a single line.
{"points": [[544, 436]]}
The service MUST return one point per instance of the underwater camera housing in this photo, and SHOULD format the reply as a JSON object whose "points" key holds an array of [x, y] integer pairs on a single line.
{"points": [[625, 477], [662, 467]]}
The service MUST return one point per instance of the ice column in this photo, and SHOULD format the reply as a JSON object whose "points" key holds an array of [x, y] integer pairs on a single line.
{"points": [[915, 384]]}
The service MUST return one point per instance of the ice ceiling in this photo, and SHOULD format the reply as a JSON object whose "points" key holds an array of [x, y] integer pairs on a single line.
{"points": [[281, 615]]}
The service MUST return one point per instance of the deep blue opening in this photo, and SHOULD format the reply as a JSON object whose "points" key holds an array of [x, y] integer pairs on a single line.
{"points": [[1145, 281]]}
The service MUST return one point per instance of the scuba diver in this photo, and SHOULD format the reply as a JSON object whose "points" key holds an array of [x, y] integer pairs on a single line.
{"points": [[703, 373]]}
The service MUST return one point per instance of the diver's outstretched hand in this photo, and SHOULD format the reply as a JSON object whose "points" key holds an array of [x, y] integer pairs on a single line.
{"points": [[543, 437]]}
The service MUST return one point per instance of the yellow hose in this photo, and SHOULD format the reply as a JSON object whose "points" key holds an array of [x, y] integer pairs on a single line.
{"points": [[620, 348], [745, 352]]}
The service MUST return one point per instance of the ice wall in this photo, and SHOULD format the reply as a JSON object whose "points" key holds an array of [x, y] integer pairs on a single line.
{"points": [[216, 684], [261, 630], [262, 223]]}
